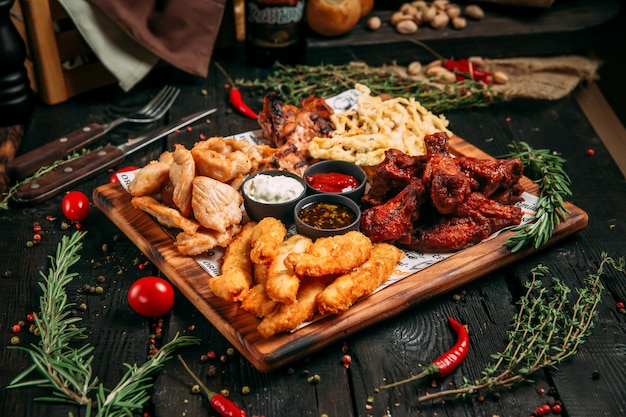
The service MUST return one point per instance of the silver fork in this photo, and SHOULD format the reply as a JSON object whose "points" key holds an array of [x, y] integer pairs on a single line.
{"points": [[28, 163]]}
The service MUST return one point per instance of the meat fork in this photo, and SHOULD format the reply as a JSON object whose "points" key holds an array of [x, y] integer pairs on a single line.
{"points": [[28, 163]]}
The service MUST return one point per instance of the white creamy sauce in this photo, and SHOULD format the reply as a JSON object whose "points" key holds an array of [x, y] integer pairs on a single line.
{"points": [[273, 189]]}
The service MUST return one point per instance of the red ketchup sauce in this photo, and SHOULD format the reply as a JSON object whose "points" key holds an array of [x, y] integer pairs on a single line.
{"points": [[332, 182]]}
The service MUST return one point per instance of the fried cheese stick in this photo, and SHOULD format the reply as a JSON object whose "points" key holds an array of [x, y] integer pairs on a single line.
{"points": [[331, 255], [346, 289], [236, 279], [286, 317], [267, 236], [282, 283]]}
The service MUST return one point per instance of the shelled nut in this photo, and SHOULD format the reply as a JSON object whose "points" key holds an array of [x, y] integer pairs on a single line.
{"points": [[374, 23], [406, 27], [474, 11]]}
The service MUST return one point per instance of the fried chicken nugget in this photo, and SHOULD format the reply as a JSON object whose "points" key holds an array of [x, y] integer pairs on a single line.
{"points": [[282, 283], [267, 236], [331, 255], [149, 179], [236, 279], [257, 302], [346, 289], [286, 317]]}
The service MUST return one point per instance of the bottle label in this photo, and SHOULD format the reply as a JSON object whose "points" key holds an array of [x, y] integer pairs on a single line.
{"points": [[274, 26]]}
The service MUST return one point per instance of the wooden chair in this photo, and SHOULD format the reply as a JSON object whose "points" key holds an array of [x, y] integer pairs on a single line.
{"points": [[52, 41]]}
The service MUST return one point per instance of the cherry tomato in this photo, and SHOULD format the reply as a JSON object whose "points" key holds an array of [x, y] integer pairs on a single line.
{"points": [[125, 169], [151, 296], [75, 206]]}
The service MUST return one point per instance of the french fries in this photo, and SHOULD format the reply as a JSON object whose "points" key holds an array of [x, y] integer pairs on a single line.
{"points": [[302, 278]]}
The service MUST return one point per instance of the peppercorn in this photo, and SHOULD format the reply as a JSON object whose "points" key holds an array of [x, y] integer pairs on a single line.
{"points": [[195, 389], [245, 390], [15, 340], [315, 379]]}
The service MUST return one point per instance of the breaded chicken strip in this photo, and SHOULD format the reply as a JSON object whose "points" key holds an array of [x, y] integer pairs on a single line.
{"points": [[236, 278], [286, 317], [257, 302], [331, 255], [346, 289], [164, 215], [267, 236], [282, 283]]}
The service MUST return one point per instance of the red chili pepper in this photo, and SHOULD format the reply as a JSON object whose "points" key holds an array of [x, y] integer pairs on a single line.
{"points": [[447, 362], [221, 404], [466, 70], [235, 98], [224, 406]]}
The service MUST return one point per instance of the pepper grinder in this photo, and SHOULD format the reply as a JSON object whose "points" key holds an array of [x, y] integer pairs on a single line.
{"points": [[16, 96]]}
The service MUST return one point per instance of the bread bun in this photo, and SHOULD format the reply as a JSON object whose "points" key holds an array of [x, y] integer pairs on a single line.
{"points": [[366, 7], [332, 17]]}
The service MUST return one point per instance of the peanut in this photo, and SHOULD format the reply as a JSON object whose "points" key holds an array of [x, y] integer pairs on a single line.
{"points": [[414, 68], [459, 22], [474, 11], [500, 78], [441, 4], [477, 61], [406, 27], [428, 14], [441, 20], [374, 23], [453, 10], [398, 17], [443, 76]]}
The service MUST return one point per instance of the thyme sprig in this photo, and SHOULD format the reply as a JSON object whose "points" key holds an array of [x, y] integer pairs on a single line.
{"points": [[9, 194], [296, 82], [67, 370], [546, 168], [544, 332]]}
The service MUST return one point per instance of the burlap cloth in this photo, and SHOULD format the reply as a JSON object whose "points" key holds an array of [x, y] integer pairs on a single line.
{"points": [[540, 78]]}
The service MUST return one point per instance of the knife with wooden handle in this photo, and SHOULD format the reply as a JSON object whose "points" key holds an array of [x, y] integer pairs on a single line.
{"points": [[27, 164], [72, 172]]}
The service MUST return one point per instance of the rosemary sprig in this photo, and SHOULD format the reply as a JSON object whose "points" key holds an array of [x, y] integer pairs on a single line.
{"points": [[543, 334], [67, 370], [546, 169], [294, 83]]}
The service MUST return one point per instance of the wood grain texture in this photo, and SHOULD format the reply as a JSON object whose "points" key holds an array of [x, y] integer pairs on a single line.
{"points": [[239, 327]]}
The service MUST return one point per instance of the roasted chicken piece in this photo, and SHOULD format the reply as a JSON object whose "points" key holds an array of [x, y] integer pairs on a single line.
{"points": [[290, 129]]}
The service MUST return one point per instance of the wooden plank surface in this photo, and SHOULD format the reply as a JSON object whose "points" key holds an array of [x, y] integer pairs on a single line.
{"points": [[239, 327]]}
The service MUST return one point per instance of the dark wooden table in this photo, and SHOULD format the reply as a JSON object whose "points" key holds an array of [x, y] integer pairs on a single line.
{"points": [[592, 383]]}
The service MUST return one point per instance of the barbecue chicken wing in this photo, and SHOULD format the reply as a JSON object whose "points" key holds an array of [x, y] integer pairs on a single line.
{"points": [[439, 203]]}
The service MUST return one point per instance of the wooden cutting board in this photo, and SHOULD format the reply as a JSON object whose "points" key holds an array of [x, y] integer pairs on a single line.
{"points": [[239, 327]]}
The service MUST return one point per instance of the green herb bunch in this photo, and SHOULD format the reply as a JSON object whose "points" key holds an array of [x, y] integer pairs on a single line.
{"points": [[545, 331], [297, 82], [546, 168], [67, 370]]}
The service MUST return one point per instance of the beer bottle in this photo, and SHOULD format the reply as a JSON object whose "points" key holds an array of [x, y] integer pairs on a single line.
{"points": [[275, 32]]}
